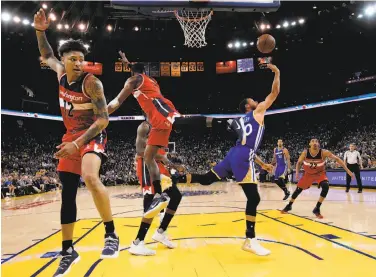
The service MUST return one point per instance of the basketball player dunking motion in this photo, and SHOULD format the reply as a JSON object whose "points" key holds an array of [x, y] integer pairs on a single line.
{"points": [[313, 161], [283, 166], [138, 246], [241, 158], [160, 113], [84, 111]]}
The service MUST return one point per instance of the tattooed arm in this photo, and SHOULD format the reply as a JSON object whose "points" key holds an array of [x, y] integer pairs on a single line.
{"points": [[41, 24], [94, 89]]}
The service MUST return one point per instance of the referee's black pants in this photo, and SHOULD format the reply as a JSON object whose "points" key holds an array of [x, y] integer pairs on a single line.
{"points": [[356, 170]]}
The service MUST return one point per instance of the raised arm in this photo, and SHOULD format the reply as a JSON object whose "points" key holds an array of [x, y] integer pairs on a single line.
{"points": [[130, 85], [330, 155], [288, 158], [269, 100], [41, 24]]}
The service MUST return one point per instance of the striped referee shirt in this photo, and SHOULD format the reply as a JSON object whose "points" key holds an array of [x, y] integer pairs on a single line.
{"points": [[352, 157]]}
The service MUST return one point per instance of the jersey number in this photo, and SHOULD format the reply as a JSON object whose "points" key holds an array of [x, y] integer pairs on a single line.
{"points": [[313, 165], [68, 106]]}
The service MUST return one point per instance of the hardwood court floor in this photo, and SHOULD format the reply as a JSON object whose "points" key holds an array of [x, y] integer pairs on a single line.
{"points": [[208, 230]]}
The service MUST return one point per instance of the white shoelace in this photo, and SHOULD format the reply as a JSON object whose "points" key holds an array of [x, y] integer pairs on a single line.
{"points": [[110, 243]]}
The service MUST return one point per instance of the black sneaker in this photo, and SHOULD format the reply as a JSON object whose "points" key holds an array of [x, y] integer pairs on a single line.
{"points": [[287, 195], [317, 213], [159, 203], [286, 209], [111, 246], [67, 261], [347, 189], [360, 191]]}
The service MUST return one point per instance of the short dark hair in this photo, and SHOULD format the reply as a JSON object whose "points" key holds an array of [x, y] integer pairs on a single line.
{"points": [[72, 45], [138, 67], [242, 105]]}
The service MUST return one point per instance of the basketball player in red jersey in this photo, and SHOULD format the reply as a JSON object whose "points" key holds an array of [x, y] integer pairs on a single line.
{"points": [[138, 246], [160, 113], [313, 161], [84, 111]]}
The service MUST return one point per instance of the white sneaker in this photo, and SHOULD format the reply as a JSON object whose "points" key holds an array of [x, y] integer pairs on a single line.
{"points": [[141, 250], [161, 215], [163, 238], [252, 245]]}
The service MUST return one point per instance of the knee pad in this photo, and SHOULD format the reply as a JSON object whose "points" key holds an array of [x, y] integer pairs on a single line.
{"points": [[324, 188], [175, 197], [70, 183], [296, 193]]}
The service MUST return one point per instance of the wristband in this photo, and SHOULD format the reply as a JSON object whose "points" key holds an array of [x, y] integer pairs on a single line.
{"points": [[75, 144]]}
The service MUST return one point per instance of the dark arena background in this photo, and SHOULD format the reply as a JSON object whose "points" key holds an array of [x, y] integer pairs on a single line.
{"points": [[325, 52]]}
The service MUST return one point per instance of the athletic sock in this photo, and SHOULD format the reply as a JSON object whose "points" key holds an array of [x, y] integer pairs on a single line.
{"points": [[109, 226], [144, 227], [318, 205], [250, 233], [67, 244], [165, 222]]}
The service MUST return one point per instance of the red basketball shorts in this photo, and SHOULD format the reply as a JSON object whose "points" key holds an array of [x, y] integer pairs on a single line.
{"points": [[308, 179], [144, 176], [72, 163], [159, 137]]}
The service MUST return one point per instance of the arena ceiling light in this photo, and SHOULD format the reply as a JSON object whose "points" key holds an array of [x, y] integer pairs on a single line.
{"points": [[5, 16], [244, 44], [52, 16], [262, 26], [66, 26], [59, 26], [360, 16], [109, 28], [237, 44], [16, 19], [136, 28], [230, 45], [25, 22], [82, 27], [301, 21], [268, 26], [370, 11], [285, 24], [251, 43], [44, 6], [278, 26], [293, 23], [87, 46]]}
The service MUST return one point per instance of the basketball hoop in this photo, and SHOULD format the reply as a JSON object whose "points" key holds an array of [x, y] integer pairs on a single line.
{"points": [[194, 26]]}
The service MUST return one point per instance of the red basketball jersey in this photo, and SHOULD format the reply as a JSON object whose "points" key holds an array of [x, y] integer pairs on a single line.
{"points": [[314, 164], [76, 107], [159, 111]]}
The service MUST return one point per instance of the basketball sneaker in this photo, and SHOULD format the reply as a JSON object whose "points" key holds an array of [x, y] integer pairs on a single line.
{"points": [[111, 246], [140, 249], [317, 213], [287, 195], [162, 238], [68, 259], [252, 245], [159, 203], [286, 209]]}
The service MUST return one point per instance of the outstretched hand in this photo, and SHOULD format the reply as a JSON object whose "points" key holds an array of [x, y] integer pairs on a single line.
{"points": [[123, 58], [41, 22], [268, 167]]}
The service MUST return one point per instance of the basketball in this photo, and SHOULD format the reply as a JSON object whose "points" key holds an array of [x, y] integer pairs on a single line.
{"points": [[265, 43]]}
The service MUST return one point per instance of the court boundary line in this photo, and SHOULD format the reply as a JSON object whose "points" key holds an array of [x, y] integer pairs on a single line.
{"points": [[94, 265], [316, 235], [343, 229], [54, 259], [29, 247]]}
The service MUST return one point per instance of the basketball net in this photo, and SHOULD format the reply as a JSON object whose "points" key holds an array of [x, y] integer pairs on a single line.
{"points": [[194, 26]]}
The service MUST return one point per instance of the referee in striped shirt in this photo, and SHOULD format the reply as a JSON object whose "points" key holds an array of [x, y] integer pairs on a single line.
{"points": [[354, 162]]}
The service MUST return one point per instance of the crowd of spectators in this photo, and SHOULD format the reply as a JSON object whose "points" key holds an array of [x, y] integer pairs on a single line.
{"points": [[28, 166]]}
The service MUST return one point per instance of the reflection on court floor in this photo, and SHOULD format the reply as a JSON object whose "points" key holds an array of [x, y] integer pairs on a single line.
{"points": [[210, 245]]}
